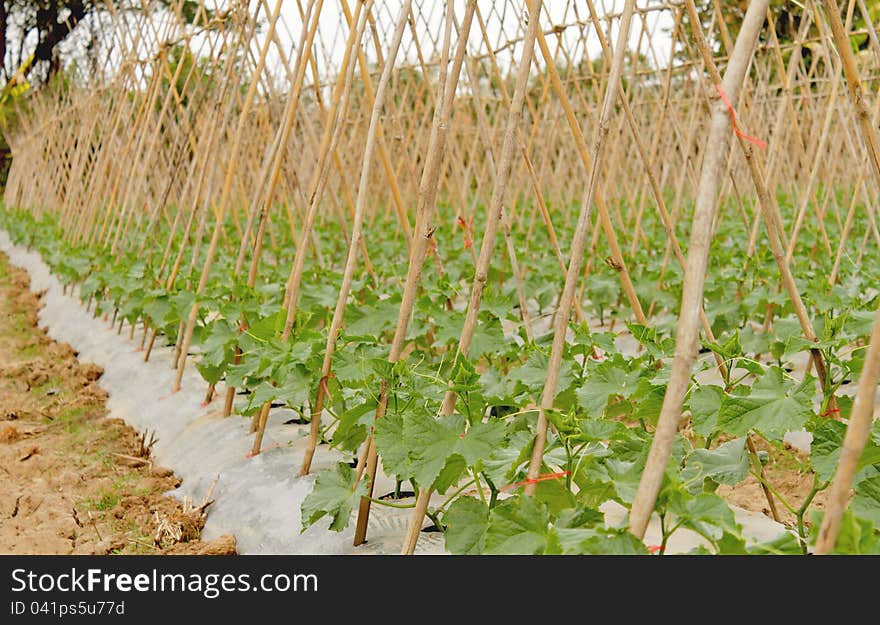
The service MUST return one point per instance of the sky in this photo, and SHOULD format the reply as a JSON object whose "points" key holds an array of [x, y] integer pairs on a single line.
{"points": [[504, 22]]}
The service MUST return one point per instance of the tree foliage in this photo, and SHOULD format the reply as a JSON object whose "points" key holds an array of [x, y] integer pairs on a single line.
{"points": [[37, 34]]}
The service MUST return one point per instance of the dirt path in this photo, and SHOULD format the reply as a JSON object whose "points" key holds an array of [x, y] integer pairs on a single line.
{"points": [[73, 480]]}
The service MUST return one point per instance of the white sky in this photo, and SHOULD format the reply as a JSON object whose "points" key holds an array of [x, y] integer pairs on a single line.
{"points": [[503, 23]]}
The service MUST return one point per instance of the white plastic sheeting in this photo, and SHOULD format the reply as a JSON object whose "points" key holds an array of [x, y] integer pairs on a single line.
{"points": [[257, 499]]}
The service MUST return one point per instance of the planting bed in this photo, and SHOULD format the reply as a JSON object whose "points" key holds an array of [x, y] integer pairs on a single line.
{"points": [[76, 480], [477, 277]]}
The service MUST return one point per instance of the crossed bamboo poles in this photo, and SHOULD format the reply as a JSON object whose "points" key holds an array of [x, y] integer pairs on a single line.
{"points": [[102, 187]]}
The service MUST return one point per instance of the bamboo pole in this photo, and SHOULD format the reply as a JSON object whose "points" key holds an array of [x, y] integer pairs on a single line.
{"points": [[487, 247], [223, 205], [356, 234], [423, 232], [329, 141], [563, 311], [698, 254], [859, 427]]}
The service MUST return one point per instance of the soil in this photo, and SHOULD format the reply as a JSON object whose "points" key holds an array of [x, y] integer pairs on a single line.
{"points": [[76, 481], [786, 473]]}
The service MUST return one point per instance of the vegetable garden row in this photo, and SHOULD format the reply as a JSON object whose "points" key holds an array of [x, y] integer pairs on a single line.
{"points": [[530, 265]]}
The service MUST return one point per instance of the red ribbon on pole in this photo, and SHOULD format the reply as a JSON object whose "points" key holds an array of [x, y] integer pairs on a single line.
{"points": [[534, 480], [468, 228], [736, 129]]}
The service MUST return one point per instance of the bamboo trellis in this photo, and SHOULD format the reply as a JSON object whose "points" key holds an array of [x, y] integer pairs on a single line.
{"points": [[247, 124]]}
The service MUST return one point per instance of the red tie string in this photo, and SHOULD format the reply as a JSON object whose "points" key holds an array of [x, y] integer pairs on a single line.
{"points": [[534, 480], [468, 228], [324, 385], [736, 129]]}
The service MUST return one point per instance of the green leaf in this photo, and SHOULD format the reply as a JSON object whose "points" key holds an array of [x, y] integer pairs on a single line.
{"points": [[450, 474], [649, 338], [866, 503], [732, 545], [353, 423], [334, 495], [729, 349], [825, 448], [598, 429], [860, 322], [466, 521], [728, 464], [373, 321], [533, 374], [786, 544], [503, 462], [708, 515], [579, 517], [705, 403], [556, 495], [480, 441], [488, 339], [158, 309], [419, 445], [448, 325], [497, 388], [600, 541], [464, 377], [180, 305], [784, 329], [430, 442], [754, 342], [825, 452], [773, 407], [604, 381], [267, 327], [650, 401], [212, 374], [391, 445], [350, 365], [264, 393], [857, 535], [625, 477], [518, 526], [294, 388], [237, 375]]}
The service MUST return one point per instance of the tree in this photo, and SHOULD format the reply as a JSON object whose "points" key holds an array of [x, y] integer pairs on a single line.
{"points": [[40, 37], [787, 20], [37, 33]]}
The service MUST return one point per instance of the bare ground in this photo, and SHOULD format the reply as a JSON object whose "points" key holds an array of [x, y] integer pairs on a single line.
{"points": [[787, 474], [75, 481]]}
